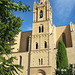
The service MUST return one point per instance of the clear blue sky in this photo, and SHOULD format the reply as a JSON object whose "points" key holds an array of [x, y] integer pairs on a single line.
{"points": [[63, 11]]}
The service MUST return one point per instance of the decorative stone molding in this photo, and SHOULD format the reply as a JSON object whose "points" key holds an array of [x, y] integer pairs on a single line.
{"points": [[71, 26]]}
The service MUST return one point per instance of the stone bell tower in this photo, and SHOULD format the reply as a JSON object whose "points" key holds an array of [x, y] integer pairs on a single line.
{"points": [[41, 53], [42, 15]]}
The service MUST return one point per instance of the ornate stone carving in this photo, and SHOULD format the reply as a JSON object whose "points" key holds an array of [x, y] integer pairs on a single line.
{"points": [[71, 27]]}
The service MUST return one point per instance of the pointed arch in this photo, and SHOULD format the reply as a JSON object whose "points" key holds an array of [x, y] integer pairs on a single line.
{"points": [[41, 14], [64, 38], [36, 45]]}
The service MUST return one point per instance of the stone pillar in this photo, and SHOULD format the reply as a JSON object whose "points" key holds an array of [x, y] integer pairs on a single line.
{"points": [[34, 12], [29, 52]]}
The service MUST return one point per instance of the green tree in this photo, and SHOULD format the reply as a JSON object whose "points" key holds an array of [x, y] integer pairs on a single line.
{"points": [[62, 60], [67, 71], [9, 28]]}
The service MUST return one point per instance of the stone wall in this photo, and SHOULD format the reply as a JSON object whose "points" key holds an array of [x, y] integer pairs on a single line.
{"points": [[24, 40], [64, 29], [17, 41], [25, 56]]}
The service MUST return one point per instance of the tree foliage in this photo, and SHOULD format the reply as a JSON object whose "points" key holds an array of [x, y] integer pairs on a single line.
{"points": [[9, 28], [67, 71], [62, 60]]}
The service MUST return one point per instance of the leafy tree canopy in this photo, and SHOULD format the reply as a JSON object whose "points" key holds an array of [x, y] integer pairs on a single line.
{"points": [[9, 28]]}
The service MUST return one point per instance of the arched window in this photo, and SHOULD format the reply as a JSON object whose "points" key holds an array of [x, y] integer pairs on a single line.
{"points": [[42, 29], [45, 44], [41, 14], [27, 43], [41, 72], [20, 60], [36, 45], [39, 61], [64, 38], [39, 29]]}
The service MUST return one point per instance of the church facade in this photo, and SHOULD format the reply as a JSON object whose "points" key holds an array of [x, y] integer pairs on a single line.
{"points": [[36, 50]]}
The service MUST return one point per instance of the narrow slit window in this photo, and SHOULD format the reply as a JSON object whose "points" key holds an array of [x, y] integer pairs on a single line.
{"points": [[45, 44], [39, 29], [42, 29], [39, 61], [36, 45], [41, 14], [20, 60]]}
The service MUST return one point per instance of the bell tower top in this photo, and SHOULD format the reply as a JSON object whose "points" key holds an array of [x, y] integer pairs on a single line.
{"points": [[42, 17], [42, 11], [43, 0]]}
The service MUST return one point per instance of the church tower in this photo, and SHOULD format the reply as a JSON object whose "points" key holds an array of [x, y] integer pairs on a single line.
{"points": [[41, 53]]}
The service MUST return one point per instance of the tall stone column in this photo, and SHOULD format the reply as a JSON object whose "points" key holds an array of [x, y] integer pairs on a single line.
{"points": [[29, 52]]}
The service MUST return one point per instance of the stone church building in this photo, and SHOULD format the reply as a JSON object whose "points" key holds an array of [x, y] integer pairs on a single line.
{"points": [[36, 49]]}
